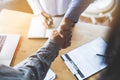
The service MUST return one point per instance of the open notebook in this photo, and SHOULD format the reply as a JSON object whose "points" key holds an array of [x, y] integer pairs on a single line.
{"points": [[8, 44], [84, 61], [38, 30]]}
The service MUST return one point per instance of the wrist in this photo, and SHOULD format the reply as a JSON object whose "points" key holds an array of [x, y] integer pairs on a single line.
{"points": [[54, 43], [68, 22], [45, 14]]}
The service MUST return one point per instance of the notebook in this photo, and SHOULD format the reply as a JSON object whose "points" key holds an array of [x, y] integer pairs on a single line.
{"points": [[84, 61], [8, 44], [38, 30]]}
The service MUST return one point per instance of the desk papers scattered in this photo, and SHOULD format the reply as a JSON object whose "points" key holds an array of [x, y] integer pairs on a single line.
{"points": [[8, 44], [83, 61], [38, 30]]}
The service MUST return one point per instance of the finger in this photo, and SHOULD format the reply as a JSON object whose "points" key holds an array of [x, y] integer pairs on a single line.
{"points": [[54, 33], [63, 30], [66, 45], [45, 24], [63, 34], [66, 34], [50, 25], [46, 15], [60, 33], [69, 38], [50, 19], [49, 22], [67, 41]]}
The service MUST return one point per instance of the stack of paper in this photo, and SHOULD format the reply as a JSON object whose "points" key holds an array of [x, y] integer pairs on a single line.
{"points": [[86, 60]]}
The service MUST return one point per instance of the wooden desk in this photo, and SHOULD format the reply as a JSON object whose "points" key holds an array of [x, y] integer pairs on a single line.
{"points": [[19, 5], [14, 22]]}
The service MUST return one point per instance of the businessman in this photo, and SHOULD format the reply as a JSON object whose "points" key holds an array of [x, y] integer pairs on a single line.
{"points": [[36, 66]]}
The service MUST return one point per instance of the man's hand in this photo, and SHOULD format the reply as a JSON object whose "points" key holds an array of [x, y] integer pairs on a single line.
{"points": [[47, 20], [62, 42], [65, 26]]}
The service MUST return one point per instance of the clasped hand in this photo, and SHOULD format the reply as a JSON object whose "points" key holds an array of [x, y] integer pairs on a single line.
{"points": [[62, 36], [62, 42], [47, 20]]}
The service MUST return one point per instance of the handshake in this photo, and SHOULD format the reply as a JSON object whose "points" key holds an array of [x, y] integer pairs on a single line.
{"points": [[62, 36]]}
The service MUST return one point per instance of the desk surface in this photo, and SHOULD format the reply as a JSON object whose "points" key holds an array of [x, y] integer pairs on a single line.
{"points": [[14, 22]]}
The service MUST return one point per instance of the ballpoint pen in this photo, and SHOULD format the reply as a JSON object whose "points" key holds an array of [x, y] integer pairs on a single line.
{"points": [[100, 55]]}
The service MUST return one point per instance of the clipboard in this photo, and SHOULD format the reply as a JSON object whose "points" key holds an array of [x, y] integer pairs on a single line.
{"points": [[83, 61]]}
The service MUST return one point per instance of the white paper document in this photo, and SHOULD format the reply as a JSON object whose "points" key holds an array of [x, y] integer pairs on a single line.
{"points": [[38, 30], [84, 61], [8, 44], [50, 75]]}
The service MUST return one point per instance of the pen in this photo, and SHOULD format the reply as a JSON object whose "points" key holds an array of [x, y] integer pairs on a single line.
{"points": [[100, 55]]}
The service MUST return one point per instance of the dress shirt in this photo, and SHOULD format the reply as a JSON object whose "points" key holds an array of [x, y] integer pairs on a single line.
{"points": [[71, 8], [52, 7], [76, 8]]}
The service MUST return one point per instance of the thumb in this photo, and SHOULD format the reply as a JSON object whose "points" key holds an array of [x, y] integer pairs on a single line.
{"points": [[60, 32]]}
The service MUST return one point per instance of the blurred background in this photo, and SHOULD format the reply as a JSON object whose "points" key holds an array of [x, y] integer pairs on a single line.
{"points": [[19, 5], [22, 5]]}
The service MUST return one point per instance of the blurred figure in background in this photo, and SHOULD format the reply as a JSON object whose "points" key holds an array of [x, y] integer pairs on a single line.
{"points": [[112, 56]]}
